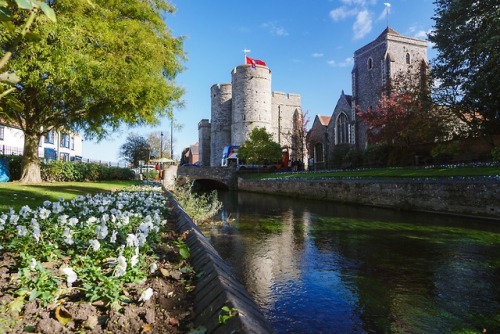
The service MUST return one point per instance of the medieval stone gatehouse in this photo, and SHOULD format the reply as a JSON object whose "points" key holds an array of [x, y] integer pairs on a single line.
{"points": [[245, 104], [375, 64]]}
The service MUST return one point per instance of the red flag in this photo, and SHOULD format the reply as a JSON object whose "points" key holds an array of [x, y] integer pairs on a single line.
{"points": [[254, 62]]}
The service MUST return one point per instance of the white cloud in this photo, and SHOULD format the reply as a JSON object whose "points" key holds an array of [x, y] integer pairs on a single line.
{"points": [[363, 24], [362, 3], [317, 55], [359, 9], [274, 29], [345, 63], [342, 12]]}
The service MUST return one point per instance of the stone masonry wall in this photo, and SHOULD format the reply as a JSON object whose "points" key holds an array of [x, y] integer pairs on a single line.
{"points": [[470, 198]]}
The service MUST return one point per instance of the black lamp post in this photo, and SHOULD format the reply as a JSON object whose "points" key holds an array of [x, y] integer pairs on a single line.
{"points": [[161, 144]]}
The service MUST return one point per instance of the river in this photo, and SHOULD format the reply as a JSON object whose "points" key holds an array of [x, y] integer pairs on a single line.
{"points": [[321, 267]]}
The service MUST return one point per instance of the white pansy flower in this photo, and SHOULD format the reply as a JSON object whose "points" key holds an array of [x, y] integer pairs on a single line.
{"points": [[21, 230], [43, 213], [36, 233], [141, 238], [146, 295], [132, 240], [32, 264], [57, 207], [25, 211], [101, 231], [91, 220], [72, 277], [121, 266], [47, 203], [13, 219], [68, 236], [113, 237], [73, 221], [63, 219], [135, 258], [144, 228], [94, 244]]}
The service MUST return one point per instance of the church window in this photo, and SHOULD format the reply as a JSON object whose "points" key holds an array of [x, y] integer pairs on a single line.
{"points": [[343, 129], [318, 153], [370, 63], [408, 58]]}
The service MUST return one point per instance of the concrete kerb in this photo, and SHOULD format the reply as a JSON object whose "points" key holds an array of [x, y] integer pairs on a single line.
{"points": [[216, 286]]}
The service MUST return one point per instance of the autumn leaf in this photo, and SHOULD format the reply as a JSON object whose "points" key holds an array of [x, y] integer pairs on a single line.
{"points": [[62, 315]]}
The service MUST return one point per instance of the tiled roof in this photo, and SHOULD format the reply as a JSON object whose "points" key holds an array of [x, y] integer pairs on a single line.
{"points": [[324, 120]]}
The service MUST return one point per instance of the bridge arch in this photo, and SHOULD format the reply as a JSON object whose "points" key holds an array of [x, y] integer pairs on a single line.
{"points": [[215, 177]]}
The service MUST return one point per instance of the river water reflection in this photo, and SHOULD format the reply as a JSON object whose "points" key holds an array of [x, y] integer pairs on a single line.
{"points": [[319, 267]]}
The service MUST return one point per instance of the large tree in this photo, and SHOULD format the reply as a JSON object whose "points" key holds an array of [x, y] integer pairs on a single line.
{"points": [[135, 149], [9, 79], [104, 64], [467, 37], [405, 114], [259, 148]]}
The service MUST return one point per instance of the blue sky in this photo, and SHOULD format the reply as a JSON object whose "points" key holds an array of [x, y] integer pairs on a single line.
{"points": [[307, 44]]}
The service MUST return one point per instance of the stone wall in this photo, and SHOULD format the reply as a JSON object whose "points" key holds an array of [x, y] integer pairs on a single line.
{"points": [[479, 198]]}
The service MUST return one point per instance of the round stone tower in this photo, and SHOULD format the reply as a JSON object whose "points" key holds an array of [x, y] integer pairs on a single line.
{"points": [[220, 96], [251, 101]]}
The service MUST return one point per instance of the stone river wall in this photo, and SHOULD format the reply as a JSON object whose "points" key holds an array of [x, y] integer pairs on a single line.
{"points": [[476, 197]]}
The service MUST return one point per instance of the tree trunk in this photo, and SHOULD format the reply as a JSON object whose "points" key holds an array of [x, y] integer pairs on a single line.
{"points": [[31, 163]]}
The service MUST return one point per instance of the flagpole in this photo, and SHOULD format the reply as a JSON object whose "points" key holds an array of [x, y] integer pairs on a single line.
{"points": [[387, 7], [245, 51]]}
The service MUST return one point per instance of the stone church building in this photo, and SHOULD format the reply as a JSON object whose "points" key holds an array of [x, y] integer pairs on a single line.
{"points": [[374, 65]]}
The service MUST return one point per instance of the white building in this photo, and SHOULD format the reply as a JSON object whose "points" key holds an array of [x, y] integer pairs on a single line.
{"points": [[54, 146]]}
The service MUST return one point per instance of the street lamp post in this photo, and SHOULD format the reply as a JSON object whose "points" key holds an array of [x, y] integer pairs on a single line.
{"points": [[172, 137], [161, 144]]}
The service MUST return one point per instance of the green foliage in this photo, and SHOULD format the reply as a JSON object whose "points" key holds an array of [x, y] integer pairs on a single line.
{"points": [[150, 175], [259, 148], [443, 152], [200, 207], [495, 153], [135, 149], [467, 37], [377, 155], [339, 154], [64, 171], [184, 252], [227, 313], [21, 29], [68, 83]]}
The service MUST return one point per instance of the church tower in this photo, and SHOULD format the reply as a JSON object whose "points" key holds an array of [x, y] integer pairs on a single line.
{"points": [[375, 64]]}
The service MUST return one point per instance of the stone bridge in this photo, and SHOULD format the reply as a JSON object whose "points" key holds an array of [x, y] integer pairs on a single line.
{"points": [[211, 177]]}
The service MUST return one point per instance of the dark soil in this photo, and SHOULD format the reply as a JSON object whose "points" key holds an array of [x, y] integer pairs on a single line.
{"points": [[170, 309]]}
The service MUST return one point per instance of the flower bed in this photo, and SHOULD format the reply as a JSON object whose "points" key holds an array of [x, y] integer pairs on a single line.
{"points": [[108, 263]]}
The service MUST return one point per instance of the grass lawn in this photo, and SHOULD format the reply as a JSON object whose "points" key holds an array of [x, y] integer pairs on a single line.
{"points": [[437, 172], [16, 195]]}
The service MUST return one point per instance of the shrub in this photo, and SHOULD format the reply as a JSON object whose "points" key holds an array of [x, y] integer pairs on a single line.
{"points": [[377, 155], [200, 207], [353, 158], [444, 152], [495, 153], [339, 154]]}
